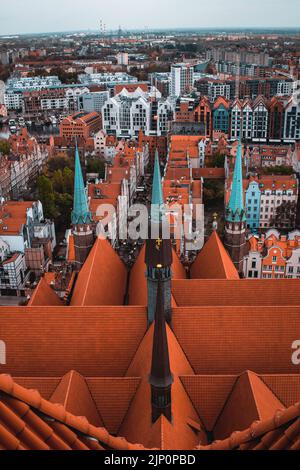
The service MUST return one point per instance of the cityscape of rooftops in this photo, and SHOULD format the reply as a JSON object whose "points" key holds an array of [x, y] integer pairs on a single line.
{"points": [[150, 230]]}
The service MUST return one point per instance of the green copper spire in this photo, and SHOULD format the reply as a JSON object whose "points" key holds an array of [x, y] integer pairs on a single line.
{"points": [[235, 211], [157, 202], [81, 213]]}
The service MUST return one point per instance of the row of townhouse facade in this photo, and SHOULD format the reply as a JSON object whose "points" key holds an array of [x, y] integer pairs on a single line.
{"points": [[127, 113], [256, 120], [183, 192], [123, 175], [260, 120], [270, 201], [273, 256], [25, 162]]}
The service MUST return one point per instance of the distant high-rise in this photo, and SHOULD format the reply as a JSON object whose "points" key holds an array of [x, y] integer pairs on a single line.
{"points": [[182, 79]]}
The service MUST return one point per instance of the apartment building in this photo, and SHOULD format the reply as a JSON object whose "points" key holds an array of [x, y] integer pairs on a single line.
{"points": [[13, 100], [182, 79], [92, 101], [271, 202], [106, 79], [27, 83], [249, 119], [127, 113]]}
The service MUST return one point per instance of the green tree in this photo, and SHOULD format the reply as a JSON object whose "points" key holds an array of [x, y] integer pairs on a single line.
{"points": [[46, 196], [4, 147], [59, 163], [94, 165], [64, 203], [219, 161], [68, 176], [58, 181]]}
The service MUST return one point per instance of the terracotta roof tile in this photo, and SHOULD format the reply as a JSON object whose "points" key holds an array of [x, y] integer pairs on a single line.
{"points": [[201, 292], [26, 423], [285, 386], [235, 339], [281, 432], [56, 346], [112, 396], [73, 393], [213, 261], [102, 279], [162, 434], [208, 394], [44, 295], [250, 400]]}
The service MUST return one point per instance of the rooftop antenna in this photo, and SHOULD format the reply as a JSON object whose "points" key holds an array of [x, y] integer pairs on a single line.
{"points": [[120, 32]]}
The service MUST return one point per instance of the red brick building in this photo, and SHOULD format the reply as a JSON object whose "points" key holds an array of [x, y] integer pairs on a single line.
{"points": [[80, 125]]}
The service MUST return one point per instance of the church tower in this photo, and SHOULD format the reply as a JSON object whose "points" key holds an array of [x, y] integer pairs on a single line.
{"points": [[235, 217], [82, 227], [158, 257], [160, 378]]}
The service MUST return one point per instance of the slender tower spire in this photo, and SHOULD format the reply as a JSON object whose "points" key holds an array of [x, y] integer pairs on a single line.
{"points": [[80, 213], [81, 217], [158, 250], [235, 218], [160, 378]]}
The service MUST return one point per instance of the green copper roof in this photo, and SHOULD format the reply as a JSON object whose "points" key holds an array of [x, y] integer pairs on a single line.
{"points": [[157, 202], [81, 213], [235, 211]]}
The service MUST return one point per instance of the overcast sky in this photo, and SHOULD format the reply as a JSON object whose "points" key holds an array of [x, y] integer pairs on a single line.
{"points": [[31, 16]]}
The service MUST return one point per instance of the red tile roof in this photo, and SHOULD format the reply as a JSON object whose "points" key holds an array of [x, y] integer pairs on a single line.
{"points": [[201, 292], [29, 422], [280, 432], [213, 261], [250, 400], [73, 394], [230, 340], [208, 394], [102, 279], [44, 295], [178, 434], [52, 341]]}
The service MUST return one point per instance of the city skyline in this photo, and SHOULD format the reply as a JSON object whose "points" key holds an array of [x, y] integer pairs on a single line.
{"points": [[43, 18]]}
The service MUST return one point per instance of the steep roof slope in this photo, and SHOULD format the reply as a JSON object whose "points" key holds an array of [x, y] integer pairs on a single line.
{"points": [[250, 400], [102, 279], [186, 427], [44, 295], [280, 432], [28, 422], [213, 261]]}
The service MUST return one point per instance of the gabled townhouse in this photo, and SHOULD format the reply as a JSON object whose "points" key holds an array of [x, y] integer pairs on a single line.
{"points": [[273, 256]]}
